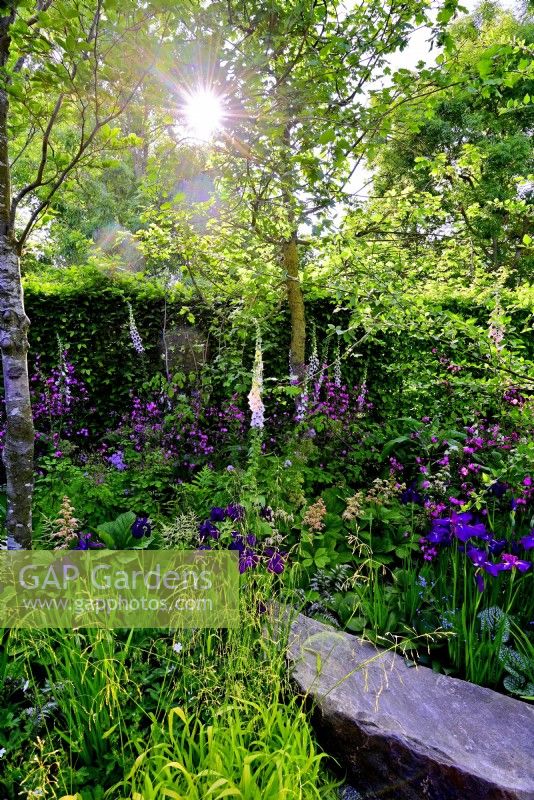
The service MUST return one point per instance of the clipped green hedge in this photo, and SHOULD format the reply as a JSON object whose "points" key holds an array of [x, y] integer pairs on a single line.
{"points": [[87, 309]]}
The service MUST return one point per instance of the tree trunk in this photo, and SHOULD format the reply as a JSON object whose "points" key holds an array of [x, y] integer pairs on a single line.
{"points": [[19, 437], [295, 299]]}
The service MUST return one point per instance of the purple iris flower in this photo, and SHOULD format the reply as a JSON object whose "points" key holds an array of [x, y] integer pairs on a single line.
{"points": [[251, 540], [493, 569], [238, 543], [510, 562], [440, 532], [528, 541], [463, 532], [235, 512], [276, 562], [141, 527], [459, 525], [85, 542], [217, 514], [208, 529], [497, 546], [247, 560], [477, 556], [480, 559], [479, 580]]}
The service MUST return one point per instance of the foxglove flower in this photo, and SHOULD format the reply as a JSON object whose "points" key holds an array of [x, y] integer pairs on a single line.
{"points": [[337, 369], [302, 403], [496, 334], [134, 333], [254, 398], [313, 363]]}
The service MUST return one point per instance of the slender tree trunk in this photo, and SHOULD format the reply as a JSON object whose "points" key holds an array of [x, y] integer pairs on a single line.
{"points": [[295, 299], [19, 438]]}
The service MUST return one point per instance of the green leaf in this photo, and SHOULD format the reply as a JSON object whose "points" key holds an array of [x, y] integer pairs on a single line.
{"points": [[327, 136]]}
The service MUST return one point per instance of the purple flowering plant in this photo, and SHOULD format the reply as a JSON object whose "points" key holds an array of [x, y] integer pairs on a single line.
{"points": [[60, 405], [241, 529]]}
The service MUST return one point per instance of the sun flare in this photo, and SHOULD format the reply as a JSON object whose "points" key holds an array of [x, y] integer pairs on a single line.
{"points": [[203, 114]]}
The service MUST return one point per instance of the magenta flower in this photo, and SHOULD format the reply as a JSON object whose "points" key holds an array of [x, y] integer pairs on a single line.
{"points": [[510, 562], [516, 502]]}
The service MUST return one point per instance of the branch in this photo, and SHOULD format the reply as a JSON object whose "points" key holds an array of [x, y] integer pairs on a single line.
{"points": [[42, 5], [42, 164], [82, 148]]}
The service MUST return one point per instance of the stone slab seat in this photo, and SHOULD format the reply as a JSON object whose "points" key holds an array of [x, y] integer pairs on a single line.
{"points": [[409, 733]]}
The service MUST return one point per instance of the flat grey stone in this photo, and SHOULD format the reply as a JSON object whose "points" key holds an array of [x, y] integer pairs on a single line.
{"points": [[407, 732]]}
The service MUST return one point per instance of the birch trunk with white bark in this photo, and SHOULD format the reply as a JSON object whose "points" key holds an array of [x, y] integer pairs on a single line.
{"points": [[19, 437]]}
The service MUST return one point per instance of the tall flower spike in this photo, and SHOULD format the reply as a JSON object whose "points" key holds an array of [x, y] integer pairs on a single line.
{"points": [[254, 398], [313, 364], [323, 366], [134, 333], [302, 402], [497, 329], [64, 387], [65, 527], [337, 368]]}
